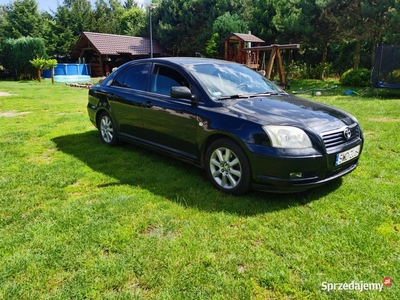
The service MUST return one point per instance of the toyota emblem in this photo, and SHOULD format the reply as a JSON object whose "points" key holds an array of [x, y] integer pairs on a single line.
{"points": [[347, 133]]}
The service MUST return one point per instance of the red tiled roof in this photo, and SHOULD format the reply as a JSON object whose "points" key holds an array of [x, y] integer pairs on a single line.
{"points": [[112, 44]]}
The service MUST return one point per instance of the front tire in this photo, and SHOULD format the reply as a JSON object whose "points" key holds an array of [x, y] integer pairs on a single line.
{"points": [[108, 133], [228, 167]]}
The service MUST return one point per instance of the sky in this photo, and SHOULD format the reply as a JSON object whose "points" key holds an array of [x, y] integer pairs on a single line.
{"points": [[51, 5]]}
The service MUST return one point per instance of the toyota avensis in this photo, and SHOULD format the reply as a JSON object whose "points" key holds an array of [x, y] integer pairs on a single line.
{"points": [[241, 128]]}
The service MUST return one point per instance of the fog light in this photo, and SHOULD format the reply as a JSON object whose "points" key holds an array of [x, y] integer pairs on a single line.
{"points": [[295, 175]]}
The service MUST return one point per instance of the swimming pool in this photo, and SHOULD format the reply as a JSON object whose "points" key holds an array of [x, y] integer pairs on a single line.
{"points": [[69, 73]]}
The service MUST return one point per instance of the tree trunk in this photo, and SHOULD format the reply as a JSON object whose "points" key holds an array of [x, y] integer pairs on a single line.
{"points": [[323, 61], [39, 75], [373, 53], [52, 75], [357, 55], [377, 42]]}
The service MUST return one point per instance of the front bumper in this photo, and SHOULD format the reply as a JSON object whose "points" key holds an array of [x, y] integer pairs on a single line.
{"points": [[279, 185], [274, 171]]}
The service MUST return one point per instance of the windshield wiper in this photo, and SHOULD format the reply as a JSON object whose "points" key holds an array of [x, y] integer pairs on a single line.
{"points": [[267, 94], [239, 96], [233, 97]]}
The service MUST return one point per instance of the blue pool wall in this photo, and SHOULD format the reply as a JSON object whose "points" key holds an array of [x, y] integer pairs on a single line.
{"points": [[68, 69]]}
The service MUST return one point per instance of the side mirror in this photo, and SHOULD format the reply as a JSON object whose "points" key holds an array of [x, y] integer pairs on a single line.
{"points": [[181, 92]]}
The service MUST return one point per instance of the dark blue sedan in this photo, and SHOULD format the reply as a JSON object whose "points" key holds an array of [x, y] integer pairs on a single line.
{"points": [[241, 128]]}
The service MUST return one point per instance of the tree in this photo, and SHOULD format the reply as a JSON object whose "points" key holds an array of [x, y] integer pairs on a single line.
{"points": [[222, 27], [325, 31], [39, 64], [49, 34], [260, 14], [392, 18], [185, 26], [340, 23], [375, 17], [22, 19], [212, 46], [358, 22], [3, 21], [107, 16], [293, 20], [128, 4], [70, 20], [80, 15], [286, 22], [344, 32], [169, 17], [103, 17], [228, 23], [133, 21], [51, 64], [65, 36]]}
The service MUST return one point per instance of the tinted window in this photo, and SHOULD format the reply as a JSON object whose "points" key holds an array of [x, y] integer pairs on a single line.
{"points": [[134, 77], [119, 81], [164, 78]]}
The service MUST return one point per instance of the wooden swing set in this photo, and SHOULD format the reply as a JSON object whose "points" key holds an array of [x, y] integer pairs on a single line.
{"points": [[245, 49]]}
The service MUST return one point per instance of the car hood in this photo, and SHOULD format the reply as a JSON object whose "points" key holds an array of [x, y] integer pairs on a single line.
{"points": [[291, 110]]}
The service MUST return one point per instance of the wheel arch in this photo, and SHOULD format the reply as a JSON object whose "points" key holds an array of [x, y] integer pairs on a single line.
{"points": [[98, 114], [240, 180], [110, 133], [216, 136]]}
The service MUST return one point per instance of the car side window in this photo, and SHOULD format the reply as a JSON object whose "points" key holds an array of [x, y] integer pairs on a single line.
{"points": [[164, 78], [119, 81], [134, 77]]}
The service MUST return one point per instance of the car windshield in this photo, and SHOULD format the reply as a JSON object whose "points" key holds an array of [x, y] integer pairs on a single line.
{"points": [[227, 81]]}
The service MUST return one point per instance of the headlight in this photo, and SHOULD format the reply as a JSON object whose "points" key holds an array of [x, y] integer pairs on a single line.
{"points": [[287, 137]]}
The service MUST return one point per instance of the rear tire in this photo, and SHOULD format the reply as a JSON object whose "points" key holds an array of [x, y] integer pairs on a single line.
{"points": [[228, 167], [108, 133]]}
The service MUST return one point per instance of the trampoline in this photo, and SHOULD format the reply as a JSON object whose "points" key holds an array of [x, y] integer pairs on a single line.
{"points": [[386, 71]]}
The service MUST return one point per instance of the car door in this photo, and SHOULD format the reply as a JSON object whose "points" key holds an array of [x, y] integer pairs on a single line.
{"points": [[126, 97], [170, 123]]}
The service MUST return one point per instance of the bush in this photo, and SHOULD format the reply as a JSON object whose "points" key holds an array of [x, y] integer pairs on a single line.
{"points": [[19, 52], [299, 70], [356, 77], [396, 76]]}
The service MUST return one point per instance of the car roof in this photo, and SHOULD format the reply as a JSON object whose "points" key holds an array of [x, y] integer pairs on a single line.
{"points": [[186, 60]]}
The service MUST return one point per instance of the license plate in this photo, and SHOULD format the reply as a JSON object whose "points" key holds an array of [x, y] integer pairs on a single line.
{"points": [[347, 155]]}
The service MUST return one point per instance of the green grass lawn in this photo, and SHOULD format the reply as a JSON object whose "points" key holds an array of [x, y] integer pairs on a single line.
{"points": [[81, 220]]}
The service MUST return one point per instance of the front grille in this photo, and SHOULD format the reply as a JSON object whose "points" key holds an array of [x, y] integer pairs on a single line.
{"points": [[336, 138]]}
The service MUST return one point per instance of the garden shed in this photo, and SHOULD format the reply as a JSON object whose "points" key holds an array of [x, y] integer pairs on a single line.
{"points": [[104, 51]]}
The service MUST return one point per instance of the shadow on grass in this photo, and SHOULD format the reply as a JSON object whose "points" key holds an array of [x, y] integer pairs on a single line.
{"points": [[177, 181]]}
